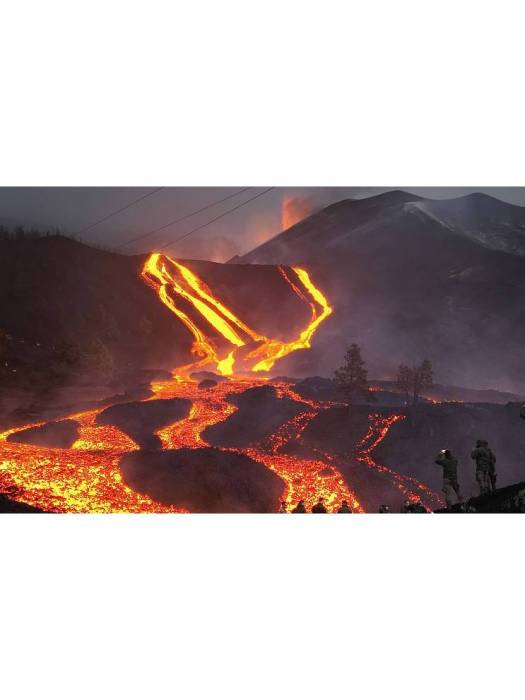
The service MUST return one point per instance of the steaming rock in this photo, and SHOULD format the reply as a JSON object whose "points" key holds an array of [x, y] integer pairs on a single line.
{"points": [[141, 419], [204, 480], [60, 434]]}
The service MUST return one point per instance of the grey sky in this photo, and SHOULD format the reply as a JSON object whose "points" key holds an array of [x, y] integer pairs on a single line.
{"points": [[71, 209]]}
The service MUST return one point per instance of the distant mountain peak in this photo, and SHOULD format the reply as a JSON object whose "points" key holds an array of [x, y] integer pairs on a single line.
{"points": [[394, 197]]}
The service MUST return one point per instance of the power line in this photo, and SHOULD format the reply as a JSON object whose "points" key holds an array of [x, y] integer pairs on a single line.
{"points": [[229, 211], [117, 211], [182, 218]]}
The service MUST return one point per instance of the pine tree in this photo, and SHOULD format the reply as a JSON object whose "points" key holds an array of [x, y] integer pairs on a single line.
{"points": [[352, 377], [404, 379]]}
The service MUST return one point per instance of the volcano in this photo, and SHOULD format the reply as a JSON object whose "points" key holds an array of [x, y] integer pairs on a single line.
{"points": [[412, 278]]}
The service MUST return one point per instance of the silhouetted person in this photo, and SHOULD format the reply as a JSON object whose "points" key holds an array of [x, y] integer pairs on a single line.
{"points": [[522, 412], [406, 507], [299, 508], [450, 487], [283, 509], [519, 501], [345, 508], [384, 509], [418, 507], [485, 463], [319, 507], [413, 507]]}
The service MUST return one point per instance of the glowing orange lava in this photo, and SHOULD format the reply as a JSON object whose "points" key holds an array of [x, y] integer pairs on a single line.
{"points": [[86, 478]]}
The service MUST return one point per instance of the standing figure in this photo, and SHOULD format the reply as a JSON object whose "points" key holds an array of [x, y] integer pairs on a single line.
{"points": [[519, 501], [319, 507], [345, 508], [485, 460], [299, 508], [450, 487], [418, 507], [413, 507], [283, 508]]}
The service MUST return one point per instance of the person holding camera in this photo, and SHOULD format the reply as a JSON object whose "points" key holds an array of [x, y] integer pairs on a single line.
{"points": [[449, 463]]}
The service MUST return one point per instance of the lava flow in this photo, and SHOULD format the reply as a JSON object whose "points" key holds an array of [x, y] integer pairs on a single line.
{"points": [[172, 280], [86, 477], [412, 489]]}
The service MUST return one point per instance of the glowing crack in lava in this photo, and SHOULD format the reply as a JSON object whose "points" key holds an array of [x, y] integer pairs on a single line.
{"points": [[86, 477]]}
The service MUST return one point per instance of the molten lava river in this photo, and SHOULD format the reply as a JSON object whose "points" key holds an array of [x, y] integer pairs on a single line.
{"points": [[86, 477]]}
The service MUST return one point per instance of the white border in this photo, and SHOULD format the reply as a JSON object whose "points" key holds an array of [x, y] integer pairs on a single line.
{"points": [[278, 93]]}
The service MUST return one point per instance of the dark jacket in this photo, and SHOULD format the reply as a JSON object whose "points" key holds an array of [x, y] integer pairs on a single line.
{"points": [[299, 509], [344, 509], [450, 467], [319, 508], [485, 458]]}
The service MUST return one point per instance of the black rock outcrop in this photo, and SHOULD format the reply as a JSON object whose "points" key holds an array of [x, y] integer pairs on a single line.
{"points": [[141, 419], [204, 480], [61, 434]]}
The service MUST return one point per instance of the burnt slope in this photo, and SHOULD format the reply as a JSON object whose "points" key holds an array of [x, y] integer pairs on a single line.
{"points": [[54, 288]]}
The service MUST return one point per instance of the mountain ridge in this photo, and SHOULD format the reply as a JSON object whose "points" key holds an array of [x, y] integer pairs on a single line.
{"points": [[411, 278]]}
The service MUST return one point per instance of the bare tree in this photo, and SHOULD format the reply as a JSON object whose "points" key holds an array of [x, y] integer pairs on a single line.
{"points": [[413, 380]]}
